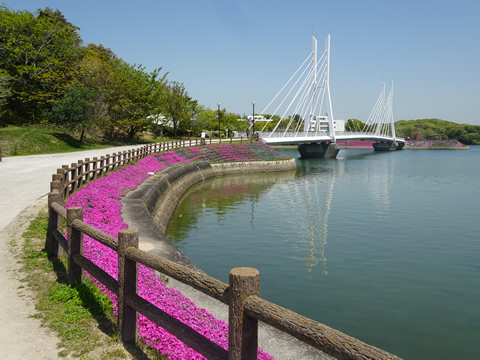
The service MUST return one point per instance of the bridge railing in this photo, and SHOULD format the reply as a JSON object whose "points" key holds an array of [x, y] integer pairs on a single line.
{"points": [[316, 134], [281, 134], [246, 308]]}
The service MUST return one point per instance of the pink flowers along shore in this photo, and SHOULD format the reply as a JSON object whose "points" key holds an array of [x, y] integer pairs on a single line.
{"points": [[417, 143], [101, 203], [434, 143]]}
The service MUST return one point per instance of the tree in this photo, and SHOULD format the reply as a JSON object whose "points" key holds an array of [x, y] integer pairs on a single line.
{"points": [[427, 128], [178, 108], [97, 72], [127, 96], [143, 97], [75, 110], [39, 52], [354, 125], [4, 93], [205, 120], [229, 122]]}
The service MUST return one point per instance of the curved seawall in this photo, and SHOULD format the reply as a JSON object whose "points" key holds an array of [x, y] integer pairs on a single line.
{"points": [[152, 205]]}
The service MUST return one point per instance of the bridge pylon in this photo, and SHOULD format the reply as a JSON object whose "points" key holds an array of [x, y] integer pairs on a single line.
{"points": [[324, 149]]}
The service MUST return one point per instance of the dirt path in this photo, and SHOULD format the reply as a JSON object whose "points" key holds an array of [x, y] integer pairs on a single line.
{"points": [[24, 184]]}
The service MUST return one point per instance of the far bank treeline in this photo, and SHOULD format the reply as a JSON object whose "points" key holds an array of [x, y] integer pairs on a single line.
{"points": [[47, 76], [428, 129]]}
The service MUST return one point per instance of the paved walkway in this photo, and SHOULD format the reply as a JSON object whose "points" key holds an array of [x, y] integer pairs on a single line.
{"points": [[24, 184]]}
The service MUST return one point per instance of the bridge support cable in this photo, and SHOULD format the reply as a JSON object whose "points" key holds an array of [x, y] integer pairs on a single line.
{"points": [[302, 76], [299, 112], [283, 88], [309, 97], [381, 121], [390, 107]]}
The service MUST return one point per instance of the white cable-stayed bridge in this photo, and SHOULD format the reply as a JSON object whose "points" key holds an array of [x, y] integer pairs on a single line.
{"points": [[312, 126]]}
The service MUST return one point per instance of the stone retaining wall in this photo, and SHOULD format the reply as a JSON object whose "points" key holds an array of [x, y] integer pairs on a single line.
{"points": [[171, 184]]}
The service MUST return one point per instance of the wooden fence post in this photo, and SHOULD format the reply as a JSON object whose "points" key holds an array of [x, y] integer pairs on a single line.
{"points": [[75, 245], [53, 222], [102, 166], [66, 181], [56, 183], [62, 173], [107, 163], [124, 156], [73, 176], [87, 172], [80, 173], [127, 284], [94, 169], [242, 329]]}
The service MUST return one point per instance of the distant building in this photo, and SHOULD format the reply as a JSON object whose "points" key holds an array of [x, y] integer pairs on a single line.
{"points": [[257, 118], [320, 124]]}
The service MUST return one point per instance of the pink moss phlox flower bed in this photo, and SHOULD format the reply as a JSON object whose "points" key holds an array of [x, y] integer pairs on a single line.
{"points": [[421, 143], [101, 203], [434, 143], [354, 143], [231, 153]]}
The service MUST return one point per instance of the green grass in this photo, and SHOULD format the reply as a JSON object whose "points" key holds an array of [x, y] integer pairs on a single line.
{"points": [[31, 140], [80, 315], [38, 139]]}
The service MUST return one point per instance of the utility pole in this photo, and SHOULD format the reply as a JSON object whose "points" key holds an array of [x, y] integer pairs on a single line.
{"points": [[253, 118], [219, 132]]}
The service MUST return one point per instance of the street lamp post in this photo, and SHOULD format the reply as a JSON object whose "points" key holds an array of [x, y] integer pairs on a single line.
{"points": [[219, 132], [253, 119]]}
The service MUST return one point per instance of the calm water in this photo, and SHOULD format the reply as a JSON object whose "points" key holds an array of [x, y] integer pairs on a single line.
{"points": [[382, 246]]}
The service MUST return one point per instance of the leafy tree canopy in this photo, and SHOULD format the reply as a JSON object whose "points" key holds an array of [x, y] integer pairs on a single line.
{"points": [[39, 52], [439, 129], [75, 110]]}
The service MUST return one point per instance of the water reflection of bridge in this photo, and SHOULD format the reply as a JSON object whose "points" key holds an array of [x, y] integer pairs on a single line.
{"points": [[317, 190], [310, 193]]}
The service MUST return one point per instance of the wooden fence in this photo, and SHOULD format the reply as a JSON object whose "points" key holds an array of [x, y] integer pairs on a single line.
{"points": [[246, 308]]}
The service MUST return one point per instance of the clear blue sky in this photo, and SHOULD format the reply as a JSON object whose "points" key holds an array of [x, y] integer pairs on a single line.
{"points": [[234, 52]]}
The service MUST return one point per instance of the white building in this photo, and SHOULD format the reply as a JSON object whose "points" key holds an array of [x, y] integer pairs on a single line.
{"points": [[320, 124], [257, 118]]}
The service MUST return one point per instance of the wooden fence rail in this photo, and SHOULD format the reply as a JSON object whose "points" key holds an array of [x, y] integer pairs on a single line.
{"points": [[246, 308], [72, 177]]}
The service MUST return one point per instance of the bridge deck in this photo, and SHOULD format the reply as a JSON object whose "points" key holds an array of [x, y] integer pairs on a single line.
{"points": [[310, 137]]}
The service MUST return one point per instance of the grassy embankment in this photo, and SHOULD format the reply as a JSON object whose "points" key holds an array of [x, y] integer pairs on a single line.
{"points": [[32, 140]]}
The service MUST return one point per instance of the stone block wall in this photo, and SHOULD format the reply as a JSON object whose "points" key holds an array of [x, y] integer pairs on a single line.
{"points": [[163, 197]]}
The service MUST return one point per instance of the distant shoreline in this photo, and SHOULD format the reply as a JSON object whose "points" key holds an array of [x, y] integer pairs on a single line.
{"points": [[406, 147]]}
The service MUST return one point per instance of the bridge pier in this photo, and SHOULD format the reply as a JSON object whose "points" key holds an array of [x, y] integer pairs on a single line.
{"points": [[319, 150], [388, 146]]}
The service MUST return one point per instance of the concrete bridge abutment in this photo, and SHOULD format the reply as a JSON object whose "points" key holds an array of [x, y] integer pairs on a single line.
{"points": [[319, 150], [388, 146]]}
